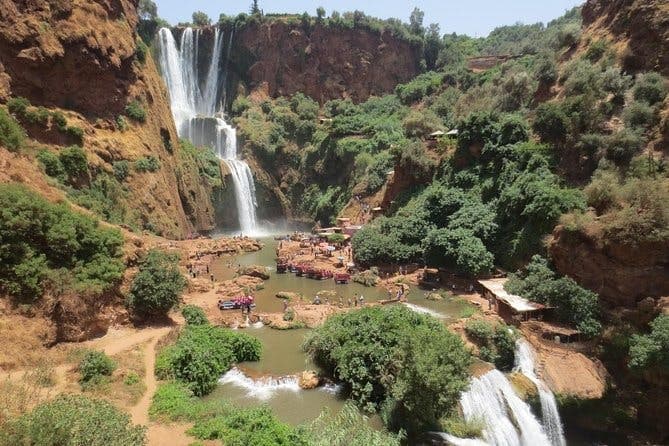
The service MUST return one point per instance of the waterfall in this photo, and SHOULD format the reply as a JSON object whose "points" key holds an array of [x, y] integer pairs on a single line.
{"points": [[197, 112], [262, 388], [507, 420], [422, 310], [524, 363]]}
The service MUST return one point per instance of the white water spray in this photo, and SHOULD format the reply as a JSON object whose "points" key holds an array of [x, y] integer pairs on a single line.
{"points": [[507, 420], [422, 310], [197, 111], [524, 363], [262, 388]]}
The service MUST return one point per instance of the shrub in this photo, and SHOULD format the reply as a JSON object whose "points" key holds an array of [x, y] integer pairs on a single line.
{"points": [[574, 305], [651, 88], [76, 133], [51, 164], [135, 111], [121, 169], [640, 115], [407, 364], [457, 249], [421, 123], [72, 420], [419, 87], [121, 123], [11, 133], [60, 120], [596, 50], [141, 50], [551, 123], [147, 164], [652, 349], [194, 315], [250, 426], [74, 162], [18, 106], [94, 365], [158, 285], [44, 243], [203, 353], [623, 145]]}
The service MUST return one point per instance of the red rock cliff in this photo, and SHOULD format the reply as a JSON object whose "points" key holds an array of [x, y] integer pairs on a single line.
{"points": [[322, 62]]}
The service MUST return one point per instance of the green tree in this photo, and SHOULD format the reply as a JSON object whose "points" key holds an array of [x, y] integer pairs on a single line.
{"points": [[416, 21], [201, 19], [457, 249], [320, 14], [157, 286], [551, 123], [255, 9], [11, 133], [392, 359], [433, 44], [147, 10], [652, 349]]}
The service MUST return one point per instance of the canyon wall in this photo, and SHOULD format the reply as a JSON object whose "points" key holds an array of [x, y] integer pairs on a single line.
{"points": [[81, 57], [320, 61]]}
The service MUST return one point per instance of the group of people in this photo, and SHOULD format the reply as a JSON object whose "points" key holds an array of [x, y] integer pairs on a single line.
{"points": [[194, 271], [351, 302]]}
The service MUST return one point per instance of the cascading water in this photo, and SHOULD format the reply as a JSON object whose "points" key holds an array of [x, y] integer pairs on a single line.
{"points": [[524, 363], [507, 420], [197, 113], [262, 388]]}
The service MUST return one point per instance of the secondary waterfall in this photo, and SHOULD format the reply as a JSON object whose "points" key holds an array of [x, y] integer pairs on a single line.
{"points": [[524, 363], [507, 420], [195, 104]]}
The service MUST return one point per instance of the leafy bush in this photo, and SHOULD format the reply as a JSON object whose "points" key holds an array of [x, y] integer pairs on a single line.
{"points": [[652, 349], [135, 111], [457, 249], [45, 244], [194, 315], [94, 365], [121, 169], [250, 426], [551, 123], [141, 50], [574, 305], [651, 88], [121, 123], [158, 285], [11, 133], [74, 162], [76, 133], [18, 106], [51, 164], [640, 115], [147, 164], [419, 87], [496, 344], [203, 353], [391, 359], [72, 420], [623, 145]]}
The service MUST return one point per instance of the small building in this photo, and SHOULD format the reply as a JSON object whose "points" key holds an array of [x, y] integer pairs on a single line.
{"points": [[435, 135], [453, 132], [509, 306]]}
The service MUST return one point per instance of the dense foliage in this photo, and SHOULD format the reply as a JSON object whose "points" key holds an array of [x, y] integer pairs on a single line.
{"points": [[573, 304], [157, 286], [406, 365], [49, 246], [496, 343], [202, 353], [73, 420], [94, 365], [652, 349], [194, 315], [11, 133]]}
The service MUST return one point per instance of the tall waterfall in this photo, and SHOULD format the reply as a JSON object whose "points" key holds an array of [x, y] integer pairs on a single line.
{"points": [[195, 104], [507, 420], [524, 363]]}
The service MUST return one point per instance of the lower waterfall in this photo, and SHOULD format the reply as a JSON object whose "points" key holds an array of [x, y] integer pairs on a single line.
{"points": [[551, 417]]}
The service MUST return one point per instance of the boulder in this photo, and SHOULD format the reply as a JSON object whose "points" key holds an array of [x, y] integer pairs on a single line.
{"points": [[308, 380], [254, 271], [288, 295]]}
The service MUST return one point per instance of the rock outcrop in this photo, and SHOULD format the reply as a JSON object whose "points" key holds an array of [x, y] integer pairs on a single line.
{"points": [[322, 62], [642, 24], [81, 58], [621, 275]]}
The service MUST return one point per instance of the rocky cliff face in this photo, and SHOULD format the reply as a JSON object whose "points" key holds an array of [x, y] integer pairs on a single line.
{"points": [[322, 62], [80, 57], [643, 25], [622, 275]]}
